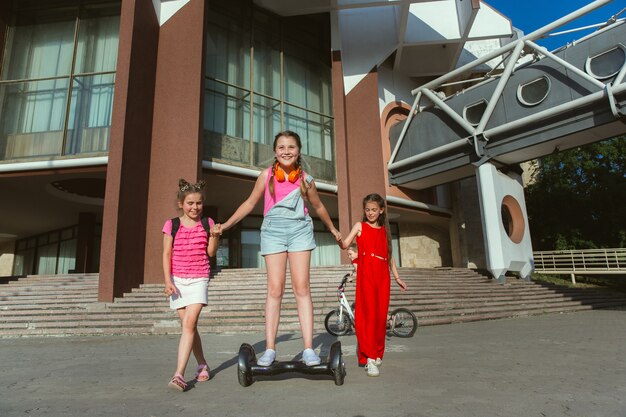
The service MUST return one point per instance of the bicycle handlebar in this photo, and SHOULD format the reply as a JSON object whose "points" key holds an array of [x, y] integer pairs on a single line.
{"points": [[344, 280]]}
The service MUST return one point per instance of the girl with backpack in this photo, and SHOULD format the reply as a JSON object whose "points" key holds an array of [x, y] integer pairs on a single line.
{"points": [[186, 250]]}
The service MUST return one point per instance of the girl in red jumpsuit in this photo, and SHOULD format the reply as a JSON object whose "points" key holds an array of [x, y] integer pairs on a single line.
{"points": [[372, 287]]}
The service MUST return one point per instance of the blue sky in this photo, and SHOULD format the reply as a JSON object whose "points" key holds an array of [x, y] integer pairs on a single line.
{"points": [[529, 15]]}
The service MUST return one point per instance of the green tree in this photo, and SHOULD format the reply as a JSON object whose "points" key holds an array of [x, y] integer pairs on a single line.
{"points": [[578, 199]]}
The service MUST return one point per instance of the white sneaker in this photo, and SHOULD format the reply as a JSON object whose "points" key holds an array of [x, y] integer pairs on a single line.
{"points": [[310, 358], [378, 362], [372, 369], [268, 358]]}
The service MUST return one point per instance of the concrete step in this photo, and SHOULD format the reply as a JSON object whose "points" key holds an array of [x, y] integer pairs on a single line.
{"points": [[67, 305]]}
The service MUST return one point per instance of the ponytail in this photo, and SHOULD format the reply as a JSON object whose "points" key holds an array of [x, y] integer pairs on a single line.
{"points": [[272, 173]]}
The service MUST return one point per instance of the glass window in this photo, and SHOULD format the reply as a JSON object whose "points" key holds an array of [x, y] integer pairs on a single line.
{"points": [[39, 51], [97, 46], [228, 52], [67, 256], [265, 74], [49, 67], [47, 259], [67, 234], [251, 249], [23, 263], [395, 243], [227, 110], [606, 64], [534, 92], [31, 118], [266, 70], [91, 108], [327, 252], [474, 112], [49, 253], [222, 257]]}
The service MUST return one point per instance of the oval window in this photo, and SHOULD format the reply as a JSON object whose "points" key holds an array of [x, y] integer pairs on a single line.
{"points": [[606, 64], [534, 92], [474, 112], [512, 218]]}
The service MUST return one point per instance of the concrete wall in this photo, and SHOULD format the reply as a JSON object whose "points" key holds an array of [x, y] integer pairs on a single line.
{"points": [[7, 255], [466, 233], [424, 246]]}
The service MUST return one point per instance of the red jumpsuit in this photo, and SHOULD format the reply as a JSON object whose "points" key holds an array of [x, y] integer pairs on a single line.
{"points": [[372, 292]]}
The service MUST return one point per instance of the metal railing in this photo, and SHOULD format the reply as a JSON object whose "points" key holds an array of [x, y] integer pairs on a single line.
{"points": [[581, 261]]}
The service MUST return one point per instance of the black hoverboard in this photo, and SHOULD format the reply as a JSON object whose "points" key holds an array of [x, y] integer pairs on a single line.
{"points": [[248, 367]]}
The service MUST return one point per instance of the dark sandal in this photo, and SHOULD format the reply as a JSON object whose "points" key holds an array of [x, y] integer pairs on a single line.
{"points": [[178, 383], [202, 373]]}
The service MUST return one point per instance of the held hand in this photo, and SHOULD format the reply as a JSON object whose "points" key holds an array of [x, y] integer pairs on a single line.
{"points": [[336, 234], [216, 230], [401, 284]]}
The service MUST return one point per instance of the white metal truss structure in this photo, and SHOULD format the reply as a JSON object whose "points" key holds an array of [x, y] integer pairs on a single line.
{"points": [[507, 130], [480, 136]]}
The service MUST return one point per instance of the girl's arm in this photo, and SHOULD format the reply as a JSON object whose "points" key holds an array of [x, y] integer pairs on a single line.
{"points": [[167, 265], [321, 211], [394, 271], [214, 243], [356, 231], [247, 206]]}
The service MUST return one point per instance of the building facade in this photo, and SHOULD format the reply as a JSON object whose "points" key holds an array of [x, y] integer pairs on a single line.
{"points": [[104, 105]]}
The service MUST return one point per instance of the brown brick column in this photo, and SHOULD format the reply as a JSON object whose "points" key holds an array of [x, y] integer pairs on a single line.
{"points": [[364, 144], [341, 148], [126, 197], [178, 124], [85, 240], [4, 20]]}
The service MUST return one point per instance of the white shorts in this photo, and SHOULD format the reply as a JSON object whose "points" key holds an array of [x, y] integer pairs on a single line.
{"points": [[190, 291]]}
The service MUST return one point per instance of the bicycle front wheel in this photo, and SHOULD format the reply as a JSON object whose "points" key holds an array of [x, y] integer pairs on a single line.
{"points": [[335, 325], [403, 322]]}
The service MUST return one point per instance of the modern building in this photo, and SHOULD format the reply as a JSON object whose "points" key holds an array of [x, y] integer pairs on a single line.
{"points": [[104, 105]]}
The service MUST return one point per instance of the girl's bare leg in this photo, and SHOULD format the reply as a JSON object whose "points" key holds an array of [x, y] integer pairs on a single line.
{"points": [[276, 265], [300, 267], [189, 339]]}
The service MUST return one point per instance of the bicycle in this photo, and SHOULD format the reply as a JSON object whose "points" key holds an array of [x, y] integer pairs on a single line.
{"points": [[400, 322]]}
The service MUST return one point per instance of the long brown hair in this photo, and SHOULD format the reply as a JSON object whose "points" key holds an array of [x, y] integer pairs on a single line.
{"points": [[303, 185], [382, 219]]}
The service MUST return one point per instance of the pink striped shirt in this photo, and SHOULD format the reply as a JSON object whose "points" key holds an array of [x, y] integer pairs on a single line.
{"points": [[189, 253]]}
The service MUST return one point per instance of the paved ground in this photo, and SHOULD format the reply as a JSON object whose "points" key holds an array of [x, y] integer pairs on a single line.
{"points": [[552, 365]]}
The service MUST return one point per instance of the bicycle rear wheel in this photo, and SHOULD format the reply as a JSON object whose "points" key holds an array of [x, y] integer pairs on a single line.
{"points": [[336, 326], [403, 322]]}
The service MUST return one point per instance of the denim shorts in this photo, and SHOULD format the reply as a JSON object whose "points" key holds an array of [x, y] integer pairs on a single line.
{"points": [[286, 235]]}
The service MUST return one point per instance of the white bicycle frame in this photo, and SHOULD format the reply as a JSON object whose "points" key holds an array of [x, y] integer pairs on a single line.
{"points": [[343, 302]]}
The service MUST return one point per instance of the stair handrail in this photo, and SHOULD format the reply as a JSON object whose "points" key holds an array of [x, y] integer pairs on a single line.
{"points": [[609, 261]]}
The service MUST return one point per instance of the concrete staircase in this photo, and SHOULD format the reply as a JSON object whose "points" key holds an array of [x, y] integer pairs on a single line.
{"points": [[67, 304]]}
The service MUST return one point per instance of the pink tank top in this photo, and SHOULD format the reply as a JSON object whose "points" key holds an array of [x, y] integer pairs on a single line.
{"points": [[281, 190]]}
